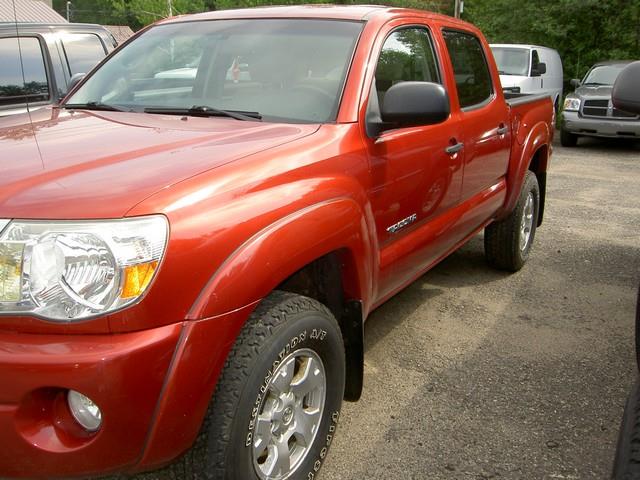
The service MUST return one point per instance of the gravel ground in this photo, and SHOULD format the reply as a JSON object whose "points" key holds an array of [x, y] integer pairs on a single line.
{"points": [[476, 374]]}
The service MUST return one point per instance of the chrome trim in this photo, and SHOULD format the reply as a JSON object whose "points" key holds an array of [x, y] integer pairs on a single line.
{"points": [[609, 112], [402, 223]]}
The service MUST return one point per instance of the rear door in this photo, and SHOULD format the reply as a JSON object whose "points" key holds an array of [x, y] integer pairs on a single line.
{"points": [[83, 51], [484, 113]]}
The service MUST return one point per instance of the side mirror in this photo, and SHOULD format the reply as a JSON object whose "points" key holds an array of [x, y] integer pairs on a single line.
{"points": [[75, 80], [625, 94], [539, 69], [575, 82], [409, 104]]}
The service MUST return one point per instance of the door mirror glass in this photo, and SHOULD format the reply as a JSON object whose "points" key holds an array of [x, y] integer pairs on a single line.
{"points": [[626, 95], [410, 104]]}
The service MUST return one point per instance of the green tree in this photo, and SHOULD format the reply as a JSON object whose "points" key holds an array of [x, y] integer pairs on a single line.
{"points": [[138, 13], [583, 31]]}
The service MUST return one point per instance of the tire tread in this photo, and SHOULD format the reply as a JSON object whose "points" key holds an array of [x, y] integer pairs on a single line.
{"points": [[272, 312], [501, 238]]}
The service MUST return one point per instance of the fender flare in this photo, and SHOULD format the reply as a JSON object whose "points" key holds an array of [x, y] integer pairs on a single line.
{"points": [[279, 250], [537, 138]]}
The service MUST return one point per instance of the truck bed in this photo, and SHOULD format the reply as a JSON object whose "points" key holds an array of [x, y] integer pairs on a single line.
{"points": [[514, 99]]}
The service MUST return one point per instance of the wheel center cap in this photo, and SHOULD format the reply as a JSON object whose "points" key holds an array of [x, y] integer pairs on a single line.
{"points": [[287, 415]]}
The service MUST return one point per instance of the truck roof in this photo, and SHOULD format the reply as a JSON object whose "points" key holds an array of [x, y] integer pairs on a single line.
{"points": [[612, 62], [339, 12], [518, 45], [42, 27]]}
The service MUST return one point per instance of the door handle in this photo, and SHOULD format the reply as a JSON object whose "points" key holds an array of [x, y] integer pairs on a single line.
{"points": [[453, 149], [502, 129]]}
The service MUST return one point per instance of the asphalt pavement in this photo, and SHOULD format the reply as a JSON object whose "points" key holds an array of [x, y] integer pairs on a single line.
{"points": [[473, 373]]}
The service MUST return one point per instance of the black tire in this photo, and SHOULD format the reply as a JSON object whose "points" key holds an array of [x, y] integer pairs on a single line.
{"points": [[568, 139], [637, 332], [502, 239], [284, 325], [626, 465]]}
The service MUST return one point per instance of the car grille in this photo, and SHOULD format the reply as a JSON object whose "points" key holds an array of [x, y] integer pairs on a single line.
{"points": [[600, 108]]}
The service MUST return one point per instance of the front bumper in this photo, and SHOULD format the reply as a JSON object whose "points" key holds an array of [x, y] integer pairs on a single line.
{"points": [[572, 122], [152, 386], [123, 374]]}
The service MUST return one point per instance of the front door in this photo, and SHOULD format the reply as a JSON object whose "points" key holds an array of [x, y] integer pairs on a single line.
{"points": [[416, 176]]}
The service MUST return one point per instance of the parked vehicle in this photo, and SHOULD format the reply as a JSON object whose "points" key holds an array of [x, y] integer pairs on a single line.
{"points": [[590, 112], [51, 55], [529, 69], [188, 267], [626, 466]]}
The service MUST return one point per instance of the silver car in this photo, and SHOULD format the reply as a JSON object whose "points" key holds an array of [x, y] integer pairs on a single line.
{"points": [[588, 111]]}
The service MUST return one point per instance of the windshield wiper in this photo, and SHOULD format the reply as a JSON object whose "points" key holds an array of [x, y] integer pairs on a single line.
{"points": [[205, 111], [96, 106], [595, 83]]}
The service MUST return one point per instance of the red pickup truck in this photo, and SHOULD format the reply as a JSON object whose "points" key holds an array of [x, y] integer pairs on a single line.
{"points": [[192, 240]]}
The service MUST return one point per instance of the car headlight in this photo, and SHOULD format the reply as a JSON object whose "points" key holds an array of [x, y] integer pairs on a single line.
{"points": [[71, 270], [571, 104]]}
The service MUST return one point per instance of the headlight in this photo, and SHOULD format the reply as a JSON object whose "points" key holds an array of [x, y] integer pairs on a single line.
{"points": [[571, 104], [71, 270]]}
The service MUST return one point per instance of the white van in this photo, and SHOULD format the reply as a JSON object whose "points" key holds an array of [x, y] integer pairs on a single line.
{"points": [[529, 69]]}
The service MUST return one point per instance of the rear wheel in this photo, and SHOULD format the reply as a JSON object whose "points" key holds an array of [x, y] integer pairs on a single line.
{"points": [[277, 402], [507, 243], [568, 139]]}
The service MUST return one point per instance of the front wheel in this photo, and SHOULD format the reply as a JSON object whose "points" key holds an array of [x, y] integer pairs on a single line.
{"points": [[507, 243], [277, 403], [568, 139]]}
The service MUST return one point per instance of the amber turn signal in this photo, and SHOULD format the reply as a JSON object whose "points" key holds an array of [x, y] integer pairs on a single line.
{"points": [[137, 278]]}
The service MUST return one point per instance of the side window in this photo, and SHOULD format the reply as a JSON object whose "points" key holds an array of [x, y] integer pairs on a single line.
{"points": [[407, 55], [14, 89], [535, 60], [83, 50], [470, 68]]}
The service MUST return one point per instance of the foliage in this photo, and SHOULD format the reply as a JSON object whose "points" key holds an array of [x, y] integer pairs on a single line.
{"points": [[583, 31], [138, 13]]}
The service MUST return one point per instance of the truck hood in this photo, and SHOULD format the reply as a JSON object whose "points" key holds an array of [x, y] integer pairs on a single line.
{"points": [[586, 91], [100, 164]]}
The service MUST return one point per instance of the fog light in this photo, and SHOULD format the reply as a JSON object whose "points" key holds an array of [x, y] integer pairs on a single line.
{"points": [[84, 411]]}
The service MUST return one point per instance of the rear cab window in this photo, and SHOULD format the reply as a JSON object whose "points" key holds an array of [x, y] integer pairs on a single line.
{"points": [[83, 51], [473, 80], [22, 83]]}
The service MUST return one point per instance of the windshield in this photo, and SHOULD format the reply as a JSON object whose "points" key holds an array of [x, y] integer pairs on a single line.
{"points": [[289, 70], [512, 61], [603, 75]]}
